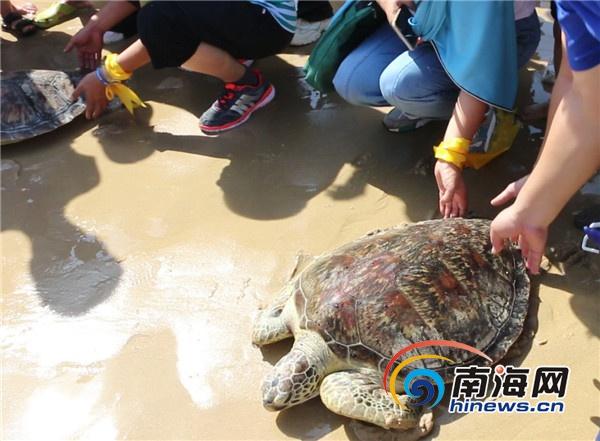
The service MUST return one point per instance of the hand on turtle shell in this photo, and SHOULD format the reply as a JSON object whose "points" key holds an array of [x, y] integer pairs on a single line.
{"points": [[514, 224], [510, 192], [94, 93], [88, 43], [452, 189]]}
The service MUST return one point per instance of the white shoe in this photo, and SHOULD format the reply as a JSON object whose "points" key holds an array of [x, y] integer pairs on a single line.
{"points": [[308, 32], [111, 37]]}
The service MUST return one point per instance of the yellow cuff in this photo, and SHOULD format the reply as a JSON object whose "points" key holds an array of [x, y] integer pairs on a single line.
{"points": [[453, 151], [114, 70], [116, 74], [127, 96]]}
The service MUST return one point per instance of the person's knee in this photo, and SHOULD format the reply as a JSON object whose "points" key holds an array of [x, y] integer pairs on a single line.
{"points": [[357, 86], [165, 41], [343, 88], [413, 76], [399, 85], [347, 86], [148, 17], [407, 89]]}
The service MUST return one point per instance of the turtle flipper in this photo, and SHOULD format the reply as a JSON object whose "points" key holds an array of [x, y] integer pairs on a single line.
{"points": [[270, 326], [358, 394], [297, 376]]}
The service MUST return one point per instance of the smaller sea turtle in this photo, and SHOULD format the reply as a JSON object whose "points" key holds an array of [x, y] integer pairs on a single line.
{"points": [[36, 102], [351, 310]]}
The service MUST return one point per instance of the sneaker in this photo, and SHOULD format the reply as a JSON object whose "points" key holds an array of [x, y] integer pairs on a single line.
{"points": [[235, 105], [248, 62], [397, 121], [308, 32]]}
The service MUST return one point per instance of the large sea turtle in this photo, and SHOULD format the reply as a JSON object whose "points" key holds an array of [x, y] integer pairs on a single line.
{"points": [[351, 310], [35, 102]]}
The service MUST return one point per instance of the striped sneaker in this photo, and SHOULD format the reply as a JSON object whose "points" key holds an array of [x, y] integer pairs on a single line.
{"points": [[397, 121], [235, 105]]}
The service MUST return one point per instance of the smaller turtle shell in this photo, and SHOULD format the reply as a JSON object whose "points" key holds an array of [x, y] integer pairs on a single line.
{"points": [[35, 102]]}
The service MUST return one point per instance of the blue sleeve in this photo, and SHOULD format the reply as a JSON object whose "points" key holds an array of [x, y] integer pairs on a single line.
{"points": [[580, 21]]}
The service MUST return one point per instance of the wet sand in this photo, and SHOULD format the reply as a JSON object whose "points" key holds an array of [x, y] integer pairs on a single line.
{"points": [[135, 253]]}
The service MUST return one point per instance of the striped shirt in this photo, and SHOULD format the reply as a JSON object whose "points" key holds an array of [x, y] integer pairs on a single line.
{"points": [[283, 11]]}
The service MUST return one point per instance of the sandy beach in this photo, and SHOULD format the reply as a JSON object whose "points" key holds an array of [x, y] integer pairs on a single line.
{"points": [[136, 251]]}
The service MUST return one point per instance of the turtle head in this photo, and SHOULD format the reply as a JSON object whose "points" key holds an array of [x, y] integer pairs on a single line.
{"points": [[295, 378]]}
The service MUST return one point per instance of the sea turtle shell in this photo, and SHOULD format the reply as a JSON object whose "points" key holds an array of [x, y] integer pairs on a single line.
{"points": [[434, 280], [36, 102]]}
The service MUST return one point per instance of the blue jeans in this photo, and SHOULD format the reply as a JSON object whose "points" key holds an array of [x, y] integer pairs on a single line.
{"points": [[382, 72]]}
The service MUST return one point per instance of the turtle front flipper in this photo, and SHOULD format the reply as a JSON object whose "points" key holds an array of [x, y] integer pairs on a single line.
{"points": [[297, 376], [270, 327], [358, 394], [271, 324]]}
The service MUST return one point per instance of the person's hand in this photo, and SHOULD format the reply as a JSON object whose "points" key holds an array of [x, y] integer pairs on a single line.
{"points": [[452, 189], [391, 8], [94, 93], [25, 8], [513, 225], [88, 43], [510, 192]]}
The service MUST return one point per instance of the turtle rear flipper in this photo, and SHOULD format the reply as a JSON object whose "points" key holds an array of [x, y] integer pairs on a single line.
{"points": [[358, 394]]}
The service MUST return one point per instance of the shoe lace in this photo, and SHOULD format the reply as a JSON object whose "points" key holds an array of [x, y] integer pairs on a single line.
{"points": [[227, 95]]}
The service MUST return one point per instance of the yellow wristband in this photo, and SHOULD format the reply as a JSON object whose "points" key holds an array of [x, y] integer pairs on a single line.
{"points": [[453, 151], [116, 74], [114, 70]]}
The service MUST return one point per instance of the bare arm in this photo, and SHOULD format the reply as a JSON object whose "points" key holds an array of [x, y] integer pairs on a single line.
{"points": [[111, 14], [467, 116], [134, 57], [571, 155], [561, 85], [88, 41], [571, 152]]}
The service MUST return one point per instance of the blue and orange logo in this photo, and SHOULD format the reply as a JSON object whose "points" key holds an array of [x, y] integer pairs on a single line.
{"points": [[419, 383]]}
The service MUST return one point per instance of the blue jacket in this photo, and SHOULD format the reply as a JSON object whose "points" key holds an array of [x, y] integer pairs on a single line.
{"points": [[476, 43]]}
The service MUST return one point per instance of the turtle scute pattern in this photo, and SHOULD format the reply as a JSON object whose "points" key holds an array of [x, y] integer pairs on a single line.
{"points": [[35, 102], [431, 280]]}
